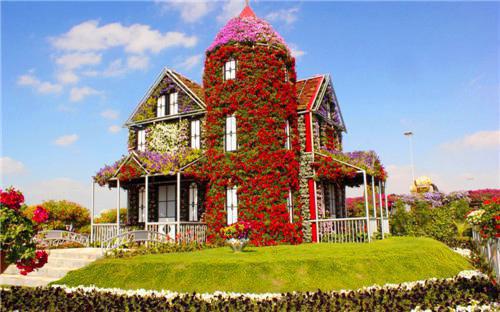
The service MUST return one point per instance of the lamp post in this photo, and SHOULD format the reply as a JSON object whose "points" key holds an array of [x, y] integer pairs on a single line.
{"points": [[409, 134]]}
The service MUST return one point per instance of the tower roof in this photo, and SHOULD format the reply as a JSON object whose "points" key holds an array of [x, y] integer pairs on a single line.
{"points": [[247, 27]]}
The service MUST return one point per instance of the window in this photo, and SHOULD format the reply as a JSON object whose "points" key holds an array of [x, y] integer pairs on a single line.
{"points": [[230, 138], [230, 70], [195, 134], [141, 140], [289, 205], [232, 205], [287, 134], [142, 204], [166, 201], [173, 107], [286, 73], [193, 202], [331, 200], [160, 106]]}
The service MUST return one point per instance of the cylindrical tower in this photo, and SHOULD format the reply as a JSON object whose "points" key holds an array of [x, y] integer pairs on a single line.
{"points": [[252, 158]]}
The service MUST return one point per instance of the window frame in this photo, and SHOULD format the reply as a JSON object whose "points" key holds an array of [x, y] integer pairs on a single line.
{"points": [[141, 140], [232, 204], [195, 133], [230, 134], [288, 143], [289, 205], [173, 103], [161, 106], [193, 202], [229, 72], [141, 203]]}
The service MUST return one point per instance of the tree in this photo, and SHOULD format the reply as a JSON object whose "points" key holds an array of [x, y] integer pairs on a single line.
{"points": [[109, 216], [61, 214]]}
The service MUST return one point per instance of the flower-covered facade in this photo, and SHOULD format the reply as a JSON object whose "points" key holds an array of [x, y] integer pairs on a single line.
{"points": [[254, 144]]}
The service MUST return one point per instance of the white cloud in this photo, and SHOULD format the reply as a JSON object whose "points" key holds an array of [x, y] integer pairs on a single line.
{"points": [[67, 77], [296, 52], [230, 9], [10, 166], [66, 140], [191, 61], [44, 87], [77, 60], [114, 129], [77, 94], [137, 62], [136, 38], [110, 114], [289, 16], [191, 10], [475, 141]]}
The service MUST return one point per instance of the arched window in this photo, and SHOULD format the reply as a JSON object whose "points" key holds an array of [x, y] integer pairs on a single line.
{"points": [[230, 69], [193, 202], [288, 144]]}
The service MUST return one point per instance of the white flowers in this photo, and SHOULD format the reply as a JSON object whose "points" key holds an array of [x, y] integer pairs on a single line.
{"points": [[168, 137], [463, 252], [170, 295], [475, 216]]}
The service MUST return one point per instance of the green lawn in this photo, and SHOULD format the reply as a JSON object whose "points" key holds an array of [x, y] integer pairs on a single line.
{"points": [[277, 269]]}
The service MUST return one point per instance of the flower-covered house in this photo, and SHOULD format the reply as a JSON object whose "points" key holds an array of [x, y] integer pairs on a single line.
{"points": [[253, 143]]}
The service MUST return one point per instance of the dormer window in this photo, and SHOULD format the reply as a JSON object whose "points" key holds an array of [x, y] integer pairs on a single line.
{"points": [[230, 137], [173, 107], [161, 106], [230, 69], [141, 140], [287, 135]]}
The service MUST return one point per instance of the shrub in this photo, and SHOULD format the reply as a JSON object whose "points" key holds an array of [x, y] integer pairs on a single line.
{"points": [[61, 214], [135, 249], [487, 218], [438, 295], [109, 216]]}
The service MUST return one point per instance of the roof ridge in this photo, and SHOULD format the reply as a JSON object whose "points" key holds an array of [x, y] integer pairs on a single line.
{"points": [[312, 77]]}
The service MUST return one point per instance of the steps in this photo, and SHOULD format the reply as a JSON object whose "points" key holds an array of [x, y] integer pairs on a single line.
{"points": [[60, 262]]}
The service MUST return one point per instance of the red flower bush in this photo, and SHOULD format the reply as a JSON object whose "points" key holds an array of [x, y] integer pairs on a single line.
{"points": [[11, 198], [40, 215], [31, 264]]}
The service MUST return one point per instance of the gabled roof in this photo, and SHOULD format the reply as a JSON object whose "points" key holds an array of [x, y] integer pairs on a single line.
{"points": [[307, 91], [192, 89]]}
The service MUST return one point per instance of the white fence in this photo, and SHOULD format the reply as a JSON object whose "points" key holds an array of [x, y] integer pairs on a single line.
{"points": [[490, 250], [187, 231], [345, 230]]}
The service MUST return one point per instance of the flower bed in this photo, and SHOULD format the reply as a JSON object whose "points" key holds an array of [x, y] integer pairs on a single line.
{"points": [[467, 289], [486, 219]]}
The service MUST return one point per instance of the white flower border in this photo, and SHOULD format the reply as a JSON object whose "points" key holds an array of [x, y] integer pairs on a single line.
{"points": [[170, 295]]}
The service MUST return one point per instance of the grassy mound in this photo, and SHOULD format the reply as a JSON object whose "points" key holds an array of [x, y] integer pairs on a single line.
{"points": [[277, 269]]}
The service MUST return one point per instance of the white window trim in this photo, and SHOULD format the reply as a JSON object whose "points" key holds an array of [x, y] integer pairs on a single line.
{"points": [[142, 205], [288, 144], [232, 205], [289, 205], [331, 200], [230, 69], [231, 138], [160, 106], [141, 140], [173, 104], [195, 134], [193, 202]]}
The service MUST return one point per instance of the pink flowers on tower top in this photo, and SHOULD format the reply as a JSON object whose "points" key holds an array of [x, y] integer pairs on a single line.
{"points": [[247, 27]]}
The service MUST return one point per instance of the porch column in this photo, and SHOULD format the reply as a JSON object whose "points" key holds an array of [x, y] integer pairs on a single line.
{"points": [[146, 198], [92, 205], [374, 200], [117, 206], [381, 209], [178, 202], [367, 210]]}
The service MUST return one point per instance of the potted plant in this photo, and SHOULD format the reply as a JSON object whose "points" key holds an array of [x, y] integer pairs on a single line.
{"points": [[236, 235]]}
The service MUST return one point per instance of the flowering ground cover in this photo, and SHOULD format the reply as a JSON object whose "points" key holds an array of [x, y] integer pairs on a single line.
{"points": [[283, 268], [469, 291]]}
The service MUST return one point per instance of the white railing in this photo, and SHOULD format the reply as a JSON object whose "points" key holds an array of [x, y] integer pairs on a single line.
{"points": [[187, 232], [104, 231], [490, 250], [344, 230]]}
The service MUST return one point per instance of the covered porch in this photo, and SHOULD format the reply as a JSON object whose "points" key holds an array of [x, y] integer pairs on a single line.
{"points": [[170, 204]]}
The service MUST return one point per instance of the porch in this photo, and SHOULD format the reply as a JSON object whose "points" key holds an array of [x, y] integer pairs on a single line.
{"points": [[171, 205]]}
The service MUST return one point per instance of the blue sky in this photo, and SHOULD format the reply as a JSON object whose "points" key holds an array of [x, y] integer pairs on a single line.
{"points": [[73, 72]]}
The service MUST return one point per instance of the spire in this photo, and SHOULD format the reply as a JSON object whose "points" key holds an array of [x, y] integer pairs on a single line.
{"points": [[247, 11]]}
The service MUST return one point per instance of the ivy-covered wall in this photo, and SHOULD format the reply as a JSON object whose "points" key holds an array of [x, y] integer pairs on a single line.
{"points": [[261, 168]]}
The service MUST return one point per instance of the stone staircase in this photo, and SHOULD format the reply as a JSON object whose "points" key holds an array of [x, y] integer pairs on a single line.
{"points": [[60, 262]]}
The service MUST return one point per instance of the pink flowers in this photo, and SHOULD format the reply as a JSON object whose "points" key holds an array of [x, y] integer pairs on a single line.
{"points": [[11, 198], [40, 215], [247, 29]]}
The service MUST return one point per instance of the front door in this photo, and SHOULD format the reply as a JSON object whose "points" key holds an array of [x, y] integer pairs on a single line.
{"points": [[167, 208]]}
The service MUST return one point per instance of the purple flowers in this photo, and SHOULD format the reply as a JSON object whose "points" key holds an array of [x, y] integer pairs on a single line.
{"points": [[367, 160], [247, 29]]}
